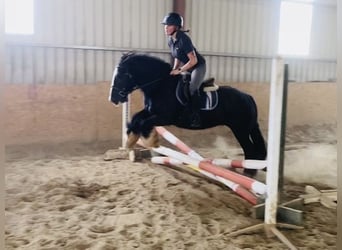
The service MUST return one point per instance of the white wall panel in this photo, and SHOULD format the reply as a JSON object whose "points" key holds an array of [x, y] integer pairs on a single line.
{"points": [[323, 35], [80, 41], [40, 66], [236, 29], [234, 26]]}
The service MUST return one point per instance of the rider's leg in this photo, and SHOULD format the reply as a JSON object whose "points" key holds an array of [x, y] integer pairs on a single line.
{"points": [[195, 107], [197, 76]]}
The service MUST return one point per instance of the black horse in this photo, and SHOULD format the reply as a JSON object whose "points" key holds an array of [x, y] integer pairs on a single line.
{"points": [[166, 104]]}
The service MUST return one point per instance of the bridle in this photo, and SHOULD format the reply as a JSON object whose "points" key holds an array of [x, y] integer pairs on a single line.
{"points": [[123, 92]]}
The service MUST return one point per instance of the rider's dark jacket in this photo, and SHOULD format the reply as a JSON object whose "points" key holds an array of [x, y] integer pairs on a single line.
{"points": [[181, 47]]}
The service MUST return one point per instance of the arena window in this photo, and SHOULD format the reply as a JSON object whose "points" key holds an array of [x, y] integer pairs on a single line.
{"points": [[295, 28], [19, 17]]}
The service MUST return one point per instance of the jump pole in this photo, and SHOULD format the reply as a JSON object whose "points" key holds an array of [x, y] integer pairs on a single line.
{"points": [[250, 164], [273, 158], [198, 161], [175, 158], [165, 160], [244, 193], [237, 188], [167, 135], [242, 180]]}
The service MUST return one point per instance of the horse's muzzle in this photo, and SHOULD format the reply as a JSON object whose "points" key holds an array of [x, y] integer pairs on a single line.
{"points": [[117, 101]]}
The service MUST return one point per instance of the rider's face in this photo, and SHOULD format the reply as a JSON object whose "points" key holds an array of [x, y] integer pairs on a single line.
{"points": [[169, 29]]}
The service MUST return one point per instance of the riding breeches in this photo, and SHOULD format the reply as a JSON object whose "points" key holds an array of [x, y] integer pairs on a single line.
{"points": [[197, 77]]}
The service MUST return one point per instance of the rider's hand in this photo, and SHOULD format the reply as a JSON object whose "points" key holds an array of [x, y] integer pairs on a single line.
{"points": [[175, 72]]}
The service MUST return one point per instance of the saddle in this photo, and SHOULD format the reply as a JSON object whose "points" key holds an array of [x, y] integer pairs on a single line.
{"points": [[209, 85], [207, 91], [206, 85]]}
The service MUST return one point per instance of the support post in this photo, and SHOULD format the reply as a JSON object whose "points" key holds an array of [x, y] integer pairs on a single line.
{"points": [[273, 155], [179, 7], [2, 114], [273, 141], [283, 129], [126, 114]]}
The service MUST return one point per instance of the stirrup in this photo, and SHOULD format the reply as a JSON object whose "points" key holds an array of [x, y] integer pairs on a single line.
{"points": [[209, 85]]}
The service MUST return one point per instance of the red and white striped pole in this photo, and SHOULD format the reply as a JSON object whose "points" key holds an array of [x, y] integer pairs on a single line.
{"points": [[202, 163], [251, 164], [181, 145], [244, 181], [165, 160], [251, 198], [178, 143]]}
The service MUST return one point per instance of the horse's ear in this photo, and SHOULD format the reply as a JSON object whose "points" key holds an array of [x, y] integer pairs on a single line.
{"points": [[127, 54]]}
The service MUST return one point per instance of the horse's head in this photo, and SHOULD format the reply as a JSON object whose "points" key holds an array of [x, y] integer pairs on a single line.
{"points": [[136, 71], [122, 82]]}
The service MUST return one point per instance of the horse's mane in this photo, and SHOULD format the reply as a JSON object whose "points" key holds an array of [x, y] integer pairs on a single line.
{"points": [[148, 60]]}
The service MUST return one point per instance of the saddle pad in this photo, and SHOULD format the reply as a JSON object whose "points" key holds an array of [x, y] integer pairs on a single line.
{"points": [[209, 100]]}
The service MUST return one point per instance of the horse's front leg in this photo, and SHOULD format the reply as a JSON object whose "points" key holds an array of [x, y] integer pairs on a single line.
{"points": [[142, 124], [131, 140], [152, 140], [133, 128]]}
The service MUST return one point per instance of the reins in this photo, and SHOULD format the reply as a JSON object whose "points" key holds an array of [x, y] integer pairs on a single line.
{"points": [[137, 86], [147, 84]]}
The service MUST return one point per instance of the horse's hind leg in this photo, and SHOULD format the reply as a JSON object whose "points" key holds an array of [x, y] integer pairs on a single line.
{"points": [[248, 147], [259, 143]]}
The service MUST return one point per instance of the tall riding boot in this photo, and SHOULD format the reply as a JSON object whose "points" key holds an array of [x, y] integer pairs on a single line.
{"points": [[195, 108]]}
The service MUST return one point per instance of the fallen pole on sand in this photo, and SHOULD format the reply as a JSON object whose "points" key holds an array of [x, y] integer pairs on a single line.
{"points": [[164, 160], [244, 193], [242, 180], [249, 164], [192, 154]]}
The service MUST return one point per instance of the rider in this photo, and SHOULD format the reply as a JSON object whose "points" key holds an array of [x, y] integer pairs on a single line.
{"points": [[186, 58]]}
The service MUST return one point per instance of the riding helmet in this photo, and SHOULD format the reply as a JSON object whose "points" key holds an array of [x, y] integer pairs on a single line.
{"points": [[173, 19]]}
